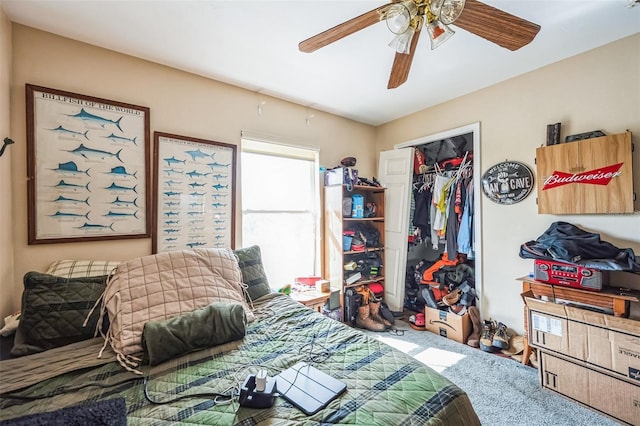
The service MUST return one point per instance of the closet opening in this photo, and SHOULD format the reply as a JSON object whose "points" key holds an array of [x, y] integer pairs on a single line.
{"points": [[411, 171], [440, 267]]}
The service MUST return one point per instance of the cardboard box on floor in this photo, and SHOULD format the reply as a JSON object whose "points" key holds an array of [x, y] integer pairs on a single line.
{"points": [[447, 324], [604, 342], [613, 397]]}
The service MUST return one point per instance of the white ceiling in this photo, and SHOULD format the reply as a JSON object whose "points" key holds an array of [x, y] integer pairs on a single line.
{"points": [[254, 44]]}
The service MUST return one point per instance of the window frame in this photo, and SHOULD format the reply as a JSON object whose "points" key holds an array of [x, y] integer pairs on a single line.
{"points": [[258, 144]]}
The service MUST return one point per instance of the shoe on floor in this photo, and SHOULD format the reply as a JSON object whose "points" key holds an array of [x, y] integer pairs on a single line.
{"points": [[501, 337], [429, 298], [486, 338], [469, 294], [458, 309], [474, 337], [365, 320], [452, 298]]}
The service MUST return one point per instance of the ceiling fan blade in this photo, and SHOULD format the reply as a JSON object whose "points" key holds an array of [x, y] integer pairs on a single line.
{"points": [[495, 25], [342, 30], [402, 64]]}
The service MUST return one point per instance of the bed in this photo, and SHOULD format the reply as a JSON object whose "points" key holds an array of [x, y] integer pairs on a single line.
{"points": [[383, 385]]}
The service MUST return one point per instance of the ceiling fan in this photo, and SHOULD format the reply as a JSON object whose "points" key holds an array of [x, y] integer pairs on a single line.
{"points": [[405, 18]]}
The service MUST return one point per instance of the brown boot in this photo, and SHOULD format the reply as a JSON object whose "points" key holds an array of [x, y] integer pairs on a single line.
{"points": [[364, 320], [474, 337], [374, 311]]}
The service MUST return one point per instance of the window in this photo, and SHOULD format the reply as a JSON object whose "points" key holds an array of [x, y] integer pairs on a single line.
{"points": [[280, 208]]}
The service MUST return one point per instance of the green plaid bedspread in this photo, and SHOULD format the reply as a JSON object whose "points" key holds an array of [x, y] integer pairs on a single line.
{"points": [[384, 386]]}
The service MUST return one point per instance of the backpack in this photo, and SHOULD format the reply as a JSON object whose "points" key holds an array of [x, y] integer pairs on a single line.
{"points": [[351, 303]]}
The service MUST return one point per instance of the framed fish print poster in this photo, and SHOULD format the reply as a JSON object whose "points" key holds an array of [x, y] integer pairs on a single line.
{"points": [[88, 164], [194, 183]]}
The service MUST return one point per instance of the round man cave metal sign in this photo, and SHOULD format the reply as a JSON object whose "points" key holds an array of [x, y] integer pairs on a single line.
{"points": [[508, 182]]}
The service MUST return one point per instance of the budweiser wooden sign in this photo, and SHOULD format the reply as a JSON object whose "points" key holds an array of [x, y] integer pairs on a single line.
{"points": [[601, 176], [591, 176]]}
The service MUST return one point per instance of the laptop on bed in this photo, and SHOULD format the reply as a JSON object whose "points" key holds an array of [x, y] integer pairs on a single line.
{"points": [[308, 388]]}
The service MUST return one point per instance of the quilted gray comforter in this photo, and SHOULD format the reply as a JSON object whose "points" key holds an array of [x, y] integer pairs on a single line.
{"points": [[384, 386]]}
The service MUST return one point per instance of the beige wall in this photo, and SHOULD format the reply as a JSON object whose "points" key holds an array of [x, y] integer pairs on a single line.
{"points": [[596, 90], [599, 89], [180, 103], [7, 304]]}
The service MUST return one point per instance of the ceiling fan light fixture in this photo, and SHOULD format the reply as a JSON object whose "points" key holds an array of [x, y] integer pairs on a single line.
{"points": [[401, 43], [450, 10], [399, 16], [494, 25], [435, 6], [438, 33]]}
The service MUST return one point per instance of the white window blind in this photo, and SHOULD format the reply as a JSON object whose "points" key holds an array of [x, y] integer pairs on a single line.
{"points": [[280, 207]]}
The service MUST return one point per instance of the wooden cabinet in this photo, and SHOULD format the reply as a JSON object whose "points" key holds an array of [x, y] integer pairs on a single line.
{"points": [[337, 222], [589, 176]]}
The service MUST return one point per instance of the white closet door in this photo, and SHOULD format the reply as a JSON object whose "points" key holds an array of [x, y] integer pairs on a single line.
{"points": [[395, 170]]}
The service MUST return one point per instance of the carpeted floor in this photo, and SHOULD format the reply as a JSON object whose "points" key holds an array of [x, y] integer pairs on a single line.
{"points": [[503, 391]]}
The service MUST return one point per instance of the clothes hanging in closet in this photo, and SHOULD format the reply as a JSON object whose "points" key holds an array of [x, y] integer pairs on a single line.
{"points": [[440, 202], [451, 235], [422, 194], [443, 210], [465, 233]]}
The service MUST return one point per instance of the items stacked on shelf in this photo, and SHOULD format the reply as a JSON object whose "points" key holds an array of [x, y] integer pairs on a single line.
{"points": [[354, 238]]}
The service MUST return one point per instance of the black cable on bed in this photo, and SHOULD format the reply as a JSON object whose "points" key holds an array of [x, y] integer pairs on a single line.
{"points": [[314, 355], [218, 398]]}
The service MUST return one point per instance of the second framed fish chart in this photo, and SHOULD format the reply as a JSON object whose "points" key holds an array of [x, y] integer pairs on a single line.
{"points": [[194, 183], [88, 164]]}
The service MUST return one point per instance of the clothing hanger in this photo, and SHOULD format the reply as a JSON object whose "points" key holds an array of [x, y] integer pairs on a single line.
{"points": [[428, 179], [424, 181]]}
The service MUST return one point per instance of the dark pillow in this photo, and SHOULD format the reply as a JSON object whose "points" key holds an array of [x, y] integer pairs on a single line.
{"points": [[54, 310], [253, 275], [215, 324]]}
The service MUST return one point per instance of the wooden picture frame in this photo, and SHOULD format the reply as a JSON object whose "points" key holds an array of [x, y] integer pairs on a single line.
{"points": [[194, 183], [88, 168]]}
